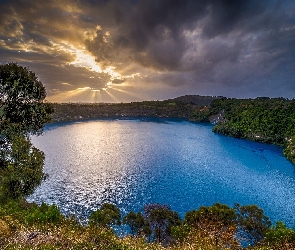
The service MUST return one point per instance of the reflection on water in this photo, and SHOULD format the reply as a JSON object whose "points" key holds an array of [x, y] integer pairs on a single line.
{"points": [[134, 162]]}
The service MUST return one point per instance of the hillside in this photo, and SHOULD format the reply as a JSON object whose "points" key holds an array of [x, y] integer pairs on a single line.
{"points": [[268, 120], [181, 107]]}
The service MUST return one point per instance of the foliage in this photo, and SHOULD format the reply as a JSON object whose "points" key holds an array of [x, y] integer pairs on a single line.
{"points": [[148, 208], [22, 112], [200, 115], [217, 222], [135, 221], [161, 219], [43, 214], [181, 233], [22, 98], [23, 172], [108, 215], [253, 224], [218, 212], [20, 229], [280, 235], [289, 150], [262, 119], [186, 107]]}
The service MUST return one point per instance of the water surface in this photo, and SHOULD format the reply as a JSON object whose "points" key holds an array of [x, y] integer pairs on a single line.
{"points": [[134, 162]]}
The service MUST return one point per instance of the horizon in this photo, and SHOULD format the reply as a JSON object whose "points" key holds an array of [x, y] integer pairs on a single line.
{"points": [[172, 98], [110, 51]]}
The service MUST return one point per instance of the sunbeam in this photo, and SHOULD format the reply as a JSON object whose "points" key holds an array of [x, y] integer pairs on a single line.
{"points": [[131, 94]]}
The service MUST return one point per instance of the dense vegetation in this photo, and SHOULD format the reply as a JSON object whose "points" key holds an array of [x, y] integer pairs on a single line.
{"points": [[262, 119], [28, 226], [22, 112], [180, 107]]}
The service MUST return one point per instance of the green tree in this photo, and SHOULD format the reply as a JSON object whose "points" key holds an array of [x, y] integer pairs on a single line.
{"points": [[23, 172], [135, 221], [281, 236], [161, 219], [252, 223], [23, 112], [218, 212], [106, 216], [22, 98], [217, 222]]}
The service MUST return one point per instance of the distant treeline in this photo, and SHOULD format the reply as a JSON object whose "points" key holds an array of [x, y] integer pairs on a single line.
{"points": [[181, 107], [268, 120]]}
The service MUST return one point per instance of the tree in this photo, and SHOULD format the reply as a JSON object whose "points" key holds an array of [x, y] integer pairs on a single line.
{"points": [[252, 223], [23, 112], [218, 212], [22, 98], [135, 221], [281, 236], [161, 220], [217, 223], [106, 216], [23, 172]]}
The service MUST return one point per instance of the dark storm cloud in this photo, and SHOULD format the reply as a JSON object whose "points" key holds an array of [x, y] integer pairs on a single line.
{"points": [[220, 45], [153, 32]]}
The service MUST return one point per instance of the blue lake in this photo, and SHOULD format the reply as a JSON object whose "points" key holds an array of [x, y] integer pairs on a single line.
{"points": [[134, 162]]}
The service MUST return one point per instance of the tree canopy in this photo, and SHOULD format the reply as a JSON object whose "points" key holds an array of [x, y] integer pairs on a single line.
{"points": [[23, 112], [107, 215], [22, 98]]}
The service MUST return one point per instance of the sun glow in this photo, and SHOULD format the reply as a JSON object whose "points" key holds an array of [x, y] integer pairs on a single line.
{"points": [[84, 59], [129, 93], [104, 92], [111, 96], [69, 95], [88, 94]]}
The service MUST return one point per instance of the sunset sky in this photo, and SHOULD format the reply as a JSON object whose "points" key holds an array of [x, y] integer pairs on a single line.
{"points": [[133, 50]]}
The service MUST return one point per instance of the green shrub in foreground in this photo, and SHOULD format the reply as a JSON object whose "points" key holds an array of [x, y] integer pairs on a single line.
{"points": [[44, 214]]}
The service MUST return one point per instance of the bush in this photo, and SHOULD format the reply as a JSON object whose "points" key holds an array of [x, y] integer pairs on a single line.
{"points": [[44, 214], [108, 215]]}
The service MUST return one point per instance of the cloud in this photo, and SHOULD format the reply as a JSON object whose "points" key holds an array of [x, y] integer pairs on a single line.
{"points": [[154, 32], [224, 47], [118, 81]]}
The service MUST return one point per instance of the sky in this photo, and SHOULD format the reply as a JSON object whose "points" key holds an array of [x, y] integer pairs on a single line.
{"points": [[135, 50]]}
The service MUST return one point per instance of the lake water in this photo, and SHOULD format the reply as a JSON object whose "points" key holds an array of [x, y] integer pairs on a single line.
{"points": [[134, 162]]}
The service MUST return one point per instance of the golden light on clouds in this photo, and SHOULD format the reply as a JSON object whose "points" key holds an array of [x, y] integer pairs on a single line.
{"points": [[85, 93], [129, 93], [66, 83], [88, 48], [84, 59], [65, 45], [69, 95]]}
